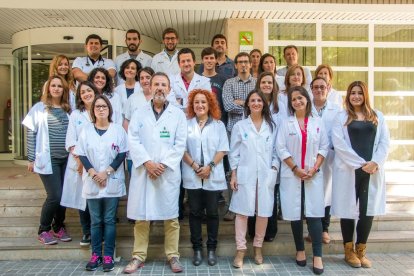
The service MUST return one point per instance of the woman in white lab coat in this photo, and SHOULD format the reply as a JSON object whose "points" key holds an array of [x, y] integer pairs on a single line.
{"points": [[72, 185], [103, 81], [302, 145], [47, 123], [129, 73], [266, 83], [361, 141], [254, 166], [102, 148], [325, 71], [203, 171]]}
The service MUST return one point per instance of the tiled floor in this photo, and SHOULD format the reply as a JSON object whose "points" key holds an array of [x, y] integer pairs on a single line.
{"points": [[383, 264]]}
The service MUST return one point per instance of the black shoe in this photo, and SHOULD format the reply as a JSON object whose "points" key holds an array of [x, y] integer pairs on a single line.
{"points": [[197, 258], [317, 271], [268, 239], [86, 240], [300, 262], [211, 257]]}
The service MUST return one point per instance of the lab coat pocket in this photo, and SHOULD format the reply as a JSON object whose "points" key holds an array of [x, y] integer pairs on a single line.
{"points": [[42, 158], [91, 187], [113, 185], [72, 164], [271, 178], [242, 175]]}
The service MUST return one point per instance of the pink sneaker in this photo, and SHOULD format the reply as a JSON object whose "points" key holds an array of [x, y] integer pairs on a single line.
{"points": [[47, 238], [62, 235]]}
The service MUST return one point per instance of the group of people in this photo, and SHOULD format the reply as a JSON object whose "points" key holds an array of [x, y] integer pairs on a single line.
{"points": [[290, 146]]}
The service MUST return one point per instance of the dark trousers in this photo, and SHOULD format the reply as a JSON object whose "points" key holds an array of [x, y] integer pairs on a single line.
{"points": [[364, 223], [199, 200], [314, 229], [326, 220], [52, 211], [85, 221], [271, 229]]}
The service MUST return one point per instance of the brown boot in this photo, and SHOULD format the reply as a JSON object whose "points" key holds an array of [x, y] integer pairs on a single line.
{"points": [[361, 250], [238, 259], [258, 257], [350, 257]]}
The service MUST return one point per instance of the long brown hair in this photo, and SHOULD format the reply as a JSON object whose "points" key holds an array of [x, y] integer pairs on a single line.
{"points": [[367, 110], [53, 70], [275, 90], [47, 98], [265, 111]]}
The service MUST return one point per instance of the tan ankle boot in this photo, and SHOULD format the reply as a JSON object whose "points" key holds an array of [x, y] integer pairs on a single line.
{"points": [[238, 259], [258, 257], [350, 257], [361, 250]]}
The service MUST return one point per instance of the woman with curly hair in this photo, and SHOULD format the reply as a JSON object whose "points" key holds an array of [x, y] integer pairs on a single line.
{"points": [[203, 171]]}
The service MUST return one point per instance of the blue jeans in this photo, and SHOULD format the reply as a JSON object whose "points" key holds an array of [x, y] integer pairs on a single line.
{"points": [[103, 216]]}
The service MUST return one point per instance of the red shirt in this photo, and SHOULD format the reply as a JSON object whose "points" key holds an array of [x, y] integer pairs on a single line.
{"points": [[186, 83], [304, 140]]}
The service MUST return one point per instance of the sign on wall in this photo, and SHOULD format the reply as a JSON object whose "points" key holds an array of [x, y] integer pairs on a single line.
{"points": [[246, 41]]}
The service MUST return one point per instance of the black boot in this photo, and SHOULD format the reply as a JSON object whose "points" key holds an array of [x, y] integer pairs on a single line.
{"points": [[211, 257], [197, 258]]}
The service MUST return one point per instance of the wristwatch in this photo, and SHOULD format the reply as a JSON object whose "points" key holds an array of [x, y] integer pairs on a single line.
{"points": [[212, 165], [108, 172]]}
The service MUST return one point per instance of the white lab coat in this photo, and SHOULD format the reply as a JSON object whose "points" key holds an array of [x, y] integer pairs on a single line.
{"points": [[335, 97], [120, 90], [347, 161], [85, 67], [36, 121], [198, 82], [161, 141], [211, 140], [289, 144], [72, 99], [134, 102], [73, 184], [101, 151], [162, 63], [252, 155], [144, 59], [116, 104], [328, 117]]}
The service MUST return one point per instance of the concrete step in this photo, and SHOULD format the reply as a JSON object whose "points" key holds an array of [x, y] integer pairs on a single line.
{"points": [[26, 227], [400, 203], [30, 248]]}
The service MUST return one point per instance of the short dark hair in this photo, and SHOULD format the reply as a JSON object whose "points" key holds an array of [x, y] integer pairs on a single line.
{"points": [[318, 78], [304, 93], [290, 47], [133, 31], [168, 31], [108, 85], [218, 36], [79, 103], [148, 70], [242, 54], [93, 36], [108, 103], [208, 51], [125, 64], [185, 51], [161, 74]]}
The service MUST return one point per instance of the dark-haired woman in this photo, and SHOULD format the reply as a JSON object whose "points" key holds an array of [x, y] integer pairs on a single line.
{"points": [[47, 123], [102, 80], [268, 64], [361, 141], [255, 55], [203, 171], [72, 186], [254, 166], [302, 145], [102, 148], [129, 73]]}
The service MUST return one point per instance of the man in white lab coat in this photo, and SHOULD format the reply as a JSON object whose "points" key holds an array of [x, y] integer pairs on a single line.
{"points": [[187, 80], [157, 137], [166, 60]]}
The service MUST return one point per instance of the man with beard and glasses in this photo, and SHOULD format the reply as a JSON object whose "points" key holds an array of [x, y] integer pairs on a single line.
{"points": [[157, 136], [166, 60], [133, 41]]}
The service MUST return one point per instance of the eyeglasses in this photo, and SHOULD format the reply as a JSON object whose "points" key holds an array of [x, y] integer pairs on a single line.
{"points": [[170, 38], [99, 107], [243, 62], [321, 87]]}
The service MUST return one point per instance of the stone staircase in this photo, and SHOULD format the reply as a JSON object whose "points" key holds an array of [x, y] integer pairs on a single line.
{"points": [[22, 195]]}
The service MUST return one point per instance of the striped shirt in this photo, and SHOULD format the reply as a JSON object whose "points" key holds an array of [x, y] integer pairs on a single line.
{"points": [[57, 121]]}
